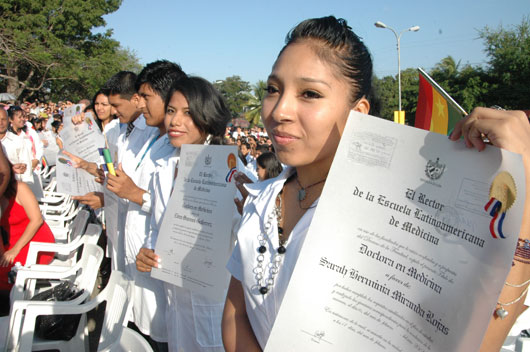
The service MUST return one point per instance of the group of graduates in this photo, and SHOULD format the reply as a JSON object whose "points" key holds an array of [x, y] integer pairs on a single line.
{"points": [[323, 72]]}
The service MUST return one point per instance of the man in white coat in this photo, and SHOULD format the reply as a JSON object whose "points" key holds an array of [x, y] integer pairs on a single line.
{"points": [[134, 133], [149, 303]]}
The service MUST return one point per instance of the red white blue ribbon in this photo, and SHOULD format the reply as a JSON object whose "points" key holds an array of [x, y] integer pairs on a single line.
{"points": [[230, 174], [493, 208]]}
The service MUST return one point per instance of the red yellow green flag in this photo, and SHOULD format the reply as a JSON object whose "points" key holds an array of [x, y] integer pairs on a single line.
{"points": [[436, 110]]}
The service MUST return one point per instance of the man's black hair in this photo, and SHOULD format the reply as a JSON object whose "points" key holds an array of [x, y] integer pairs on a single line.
{"points": [[122, 83], [160, 75]]}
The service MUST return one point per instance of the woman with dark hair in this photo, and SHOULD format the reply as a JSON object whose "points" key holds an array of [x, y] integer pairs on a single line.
{"points": [[22, 222], [322, 73], [196, 113], [57, 126], [268, 166], [102, 109]]}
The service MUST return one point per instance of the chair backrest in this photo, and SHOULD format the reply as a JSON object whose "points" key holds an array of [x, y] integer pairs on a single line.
{"points": [[117, 293], [92, 233], [83, 274], [88, 266], [79, 225]]}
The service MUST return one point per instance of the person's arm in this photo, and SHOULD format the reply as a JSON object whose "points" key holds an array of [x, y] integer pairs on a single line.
{"points": [[94, 200], [59, 142], [124, 187], [236, 329], [90, 167], [509, 130], [27, 200]]}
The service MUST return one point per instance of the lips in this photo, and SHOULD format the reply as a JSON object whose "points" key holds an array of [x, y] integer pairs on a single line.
{"points": [[283, 138], [175, 133]]}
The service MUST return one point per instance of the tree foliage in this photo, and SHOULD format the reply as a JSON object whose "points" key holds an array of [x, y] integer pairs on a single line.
{"points": [[236, 92], [509, 65], [253, 105], [47, 46], [504, 81]]}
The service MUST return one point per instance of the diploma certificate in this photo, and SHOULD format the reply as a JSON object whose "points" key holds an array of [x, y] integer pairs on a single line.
{"points": [[194, 241], [73, 181], [408, 249], [83, 140]]}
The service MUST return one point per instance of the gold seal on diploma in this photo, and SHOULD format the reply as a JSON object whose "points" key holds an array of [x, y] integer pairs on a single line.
{"points": [[504, 190], [231, 161]]}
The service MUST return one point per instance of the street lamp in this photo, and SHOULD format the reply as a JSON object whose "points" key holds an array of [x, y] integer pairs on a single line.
{"points": [[380, 24]]}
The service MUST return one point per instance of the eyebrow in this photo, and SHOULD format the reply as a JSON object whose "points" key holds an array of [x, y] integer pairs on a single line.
{"points": [[304, 79]]}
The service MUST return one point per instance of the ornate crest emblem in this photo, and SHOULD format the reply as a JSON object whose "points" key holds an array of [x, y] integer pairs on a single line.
{"points": [[207, 160], [434, 169]]}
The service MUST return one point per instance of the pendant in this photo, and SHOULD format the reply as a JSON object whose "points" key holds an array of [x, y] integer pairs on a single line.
{"points": [[301, 194], [501, 313], [263, 290]]}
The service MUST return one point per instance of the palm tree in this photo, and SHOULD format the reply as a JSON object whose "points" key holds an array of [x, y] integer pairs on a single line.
{"points": [[253, 105]]}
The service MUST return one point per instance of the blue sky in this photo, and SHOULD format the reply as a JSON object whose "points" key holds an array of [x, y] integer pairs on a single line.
{"points": [[217, 39]]}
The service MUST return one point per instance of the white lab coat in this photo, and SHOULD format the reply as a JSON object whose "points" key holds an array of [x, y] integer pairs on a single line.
{"points": [[129, 152], [193, 321], [262, 309], [149, 302]]}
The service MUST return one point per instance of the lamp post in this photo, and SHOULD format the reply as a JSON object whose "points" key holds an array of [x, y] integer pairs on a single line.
{"points": [[380, 24]]}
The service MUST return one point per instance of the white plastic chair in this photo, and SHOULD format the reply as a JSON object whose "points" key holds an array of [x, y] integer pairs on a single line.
{"points": [[83, 274], [131, 341], [66, 254], [117, 294]]}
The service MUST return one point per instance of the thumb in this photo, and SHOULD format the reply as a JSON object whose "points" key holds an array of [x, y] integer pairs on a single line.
{"points": [[119, 167]]}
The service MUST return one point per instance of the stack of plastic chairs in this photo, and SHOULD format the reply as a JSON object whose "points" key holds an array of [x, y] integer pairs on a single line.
{"points": [[117, 294]]}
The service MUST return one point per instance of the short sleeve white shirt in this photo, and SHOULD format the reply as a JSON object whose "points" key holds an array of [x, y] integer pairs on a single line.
{"points": [[262, 309]]}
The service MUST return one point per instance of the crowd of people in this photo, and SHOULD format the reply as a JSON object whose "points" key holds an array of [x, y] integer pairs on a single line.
{"points": [[323, 72]]}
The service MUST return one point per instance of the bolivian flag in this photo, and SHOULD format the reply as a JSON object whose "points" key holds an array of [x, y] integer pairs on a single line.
{"points": [[436, 110]]}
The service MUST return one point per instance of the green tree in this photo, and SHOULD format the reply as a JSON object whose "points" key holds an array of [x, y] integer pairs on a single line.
{"points": [[49, 46], [254, 103], [509, 65], [235, 91], [386, 91]]}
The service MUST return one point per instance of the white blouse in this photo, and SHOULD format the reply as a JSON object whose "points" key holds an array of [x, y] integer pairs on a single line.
{"points": [[262, 309]]}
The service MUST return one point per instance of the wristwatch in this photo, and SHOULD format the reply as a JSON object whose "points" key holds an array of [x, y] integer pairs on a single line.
{"points": [[146, 202]]}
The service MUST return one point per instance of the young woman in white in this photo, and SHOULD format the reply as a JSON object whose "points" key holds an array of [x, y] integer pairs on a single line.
{"points": [[195, 114], [322, 73]]}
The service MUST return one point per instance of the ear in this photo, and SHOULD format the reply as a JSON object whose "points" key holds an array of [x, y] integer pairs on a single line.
{"points": [[363, 106], [135, 99]]}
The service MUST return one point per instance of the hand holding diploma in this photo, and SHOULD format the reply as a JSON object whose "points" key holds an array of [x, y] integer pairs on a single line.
{"points": [[93, 199], [509, 130], [146, 259], [80, 163], [240, 179], [124, 187]]}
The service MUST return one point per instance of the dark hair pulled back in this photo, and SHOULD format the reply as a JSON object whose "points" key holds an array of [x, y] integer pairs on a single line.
{"points": [[335, 42]]}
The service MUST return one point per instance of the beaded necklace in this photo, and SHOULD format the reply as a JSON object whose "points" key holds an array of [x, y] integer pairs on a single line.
{"points": [[266, 284]]}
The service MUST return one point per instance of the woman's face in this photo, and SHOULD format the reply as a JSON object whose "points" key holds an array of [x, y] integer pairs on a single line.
{"points": [[17, 121], [102, 107], [262, 173], [179, 125], [305, 108]]}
